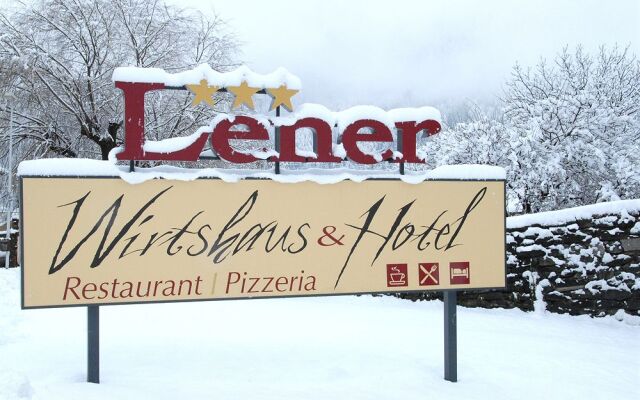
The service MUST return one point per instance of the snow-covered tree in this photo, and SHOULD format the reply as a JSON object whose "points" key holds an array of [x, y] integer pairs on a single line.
{"points": [[57, 58], [568, 133], [485, 138], [581, 116]]}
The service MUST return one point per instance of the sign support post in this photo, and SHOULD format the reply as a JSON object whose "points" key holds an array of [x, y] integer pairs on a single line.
{"points": [[450, 337], [93, 344], [277, 142]]}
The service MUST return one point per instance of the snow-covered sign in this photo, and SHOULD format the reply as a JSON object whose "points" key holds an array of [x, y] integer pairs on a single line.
{"points": [[195, 236], [361, 124], [106, 241]]}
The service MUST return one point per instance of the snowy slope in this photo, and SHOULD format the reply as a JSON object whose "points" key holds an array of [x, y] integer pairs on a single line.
{"points": [[314, 348]]}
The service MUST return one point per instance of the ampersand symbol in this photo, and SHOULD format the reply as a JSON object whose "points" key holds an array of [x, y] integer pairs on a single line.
{"points": [[329, 236]]}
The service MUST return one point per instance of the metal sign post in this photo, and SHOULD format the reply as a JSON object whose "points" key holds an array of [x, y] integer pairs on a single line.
{"points": [[93, 344], [450, 337], [277, 143]]}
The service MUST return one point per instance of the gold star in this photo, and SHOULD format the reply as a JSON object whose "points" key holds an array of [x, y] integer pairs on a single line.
{"points": [[243, 94], [282, 96], [203, 92]]}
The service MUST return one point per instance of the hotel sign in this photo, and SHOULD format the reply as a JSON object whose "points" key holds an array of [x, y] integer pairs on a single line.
{"points": [[93, 241]]}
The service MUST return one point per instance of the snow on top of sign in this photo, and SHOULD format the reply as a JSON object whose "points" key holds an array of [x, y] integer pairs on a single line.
{"points": [[344, 118], [467, 171], [68, 167], [414, 114], [305, 153], [172, 144], [241, 74], [86, 167], [560, 217], [347, 117], [309, 110], [261, 154], [182, 142]]}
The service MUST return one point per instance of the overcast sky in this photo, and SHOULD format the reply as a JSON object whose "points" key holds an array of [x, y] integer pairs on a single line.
{"points": [[412, 53]]}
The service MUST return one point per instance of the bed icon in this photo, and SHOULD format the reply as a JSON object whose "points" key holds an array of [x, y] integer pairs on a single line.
{"points": [[459, 273]]}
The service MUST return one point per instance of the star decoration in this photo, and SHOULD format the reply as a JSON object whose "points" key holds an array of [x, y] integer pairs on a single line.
{"points": [[243, 95], [203, 93], [282, 97]]}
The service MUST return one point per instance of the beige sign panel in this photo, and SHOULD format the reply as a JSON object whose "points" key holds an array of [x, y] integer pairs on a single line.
{"points": [[104, 241]]}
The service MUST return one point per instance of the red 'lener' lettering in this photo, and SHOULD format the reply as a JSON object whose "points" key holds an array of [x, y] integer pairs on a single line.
{"points": [[134, 94]]}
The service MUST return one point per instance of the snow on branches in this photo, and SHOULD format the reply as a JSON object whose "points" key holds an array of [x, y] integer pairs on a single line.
{"points": [[567, 133]]}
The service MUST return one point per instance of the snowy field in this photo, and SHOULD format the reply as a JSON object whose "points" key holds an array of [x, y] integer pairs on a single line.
{"points": [[313, 348]]}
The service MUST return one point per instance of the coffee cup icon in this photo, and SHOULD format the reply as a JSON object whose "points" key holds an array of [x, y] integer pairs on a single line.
{"points": [[396, 275]]}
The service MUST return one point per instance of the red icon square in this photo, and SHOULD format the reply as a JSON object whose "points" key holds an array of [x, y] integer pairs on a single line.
{"points": [[460, 273], [428, 274], [397, 275]]}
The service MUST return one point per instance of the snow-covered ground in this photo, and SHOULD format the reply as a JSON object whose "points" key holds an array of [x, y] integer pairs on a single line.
{"points": [[311, 348]]}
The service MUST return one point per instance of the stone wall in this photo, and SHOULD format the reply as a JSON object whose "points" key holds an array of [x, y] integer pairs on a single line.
{"points": [[13, 244], [584, 260]]}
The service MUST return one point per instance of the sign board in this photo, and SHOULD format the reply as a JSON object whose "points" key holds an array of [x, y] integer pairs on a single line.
{"points": [[95, 241]]}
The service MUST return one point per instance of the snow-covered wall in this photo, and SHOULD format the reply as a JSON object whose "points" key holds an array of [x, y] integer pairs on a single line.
{"points": [[584, 260]]}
